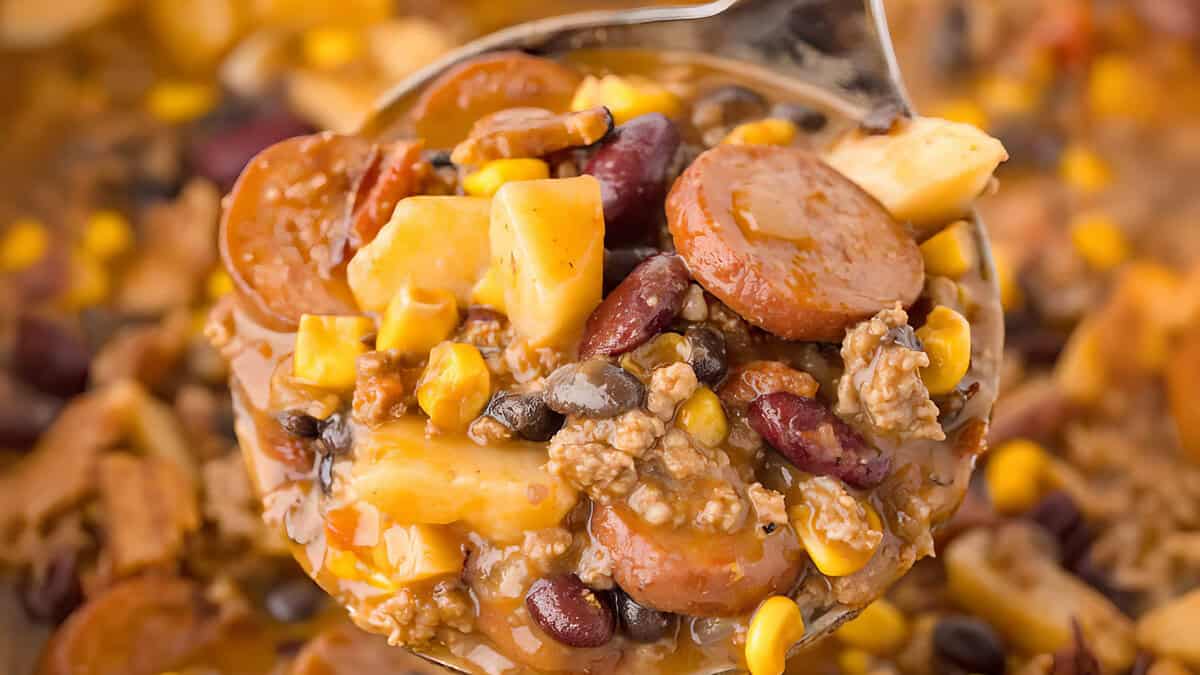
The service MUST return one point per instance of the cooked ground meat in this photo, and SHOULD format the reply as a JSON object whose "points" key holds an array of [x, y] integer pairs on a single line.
{"points": [[838, 516], [769, 505], [385, 388], [413, 618], [695, 307], [544, 546], [598, 455], [670, 386]]}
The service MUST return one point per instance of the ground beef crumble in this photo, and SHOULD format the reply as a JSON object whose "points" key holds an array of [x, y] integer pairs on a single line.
{"points": [[412, 618], [881, 390], [838, 516], [386, 387], [770, 507], [542, 547], [670, 386]]}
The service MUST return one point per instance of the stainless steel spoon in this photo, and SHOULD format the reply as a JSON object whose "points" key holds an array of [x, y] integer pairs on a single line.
{"points": [[837, 50]]}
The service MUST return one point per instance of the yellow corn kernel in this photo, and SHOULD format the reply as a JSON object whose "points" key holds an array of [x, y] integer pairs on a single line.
{"points": [[455, 386], [1007, 95], [626, 97], [1011, 296], [489, 291], [949, 253], [218, 284], [178, 102], [90, 283], [412, 553], [854, 661], [416, 320], [1115, 88], [770, 131], [1081, 371], [25, 243], [1013, 475], [485, 181], [1099, 241], [946, 336], [964, 111], [1083, 169], [107, 235], [776, 626], [663, 350], [833, 558], [880, 628], [327, 348], [330, 47], [703, 418]]}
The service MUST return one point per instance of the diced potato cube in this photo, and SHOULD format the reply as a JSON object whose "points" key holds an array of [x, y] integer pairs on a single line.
{"points": [[1015, 475], [416, 320], [500, 491], [455, 386], [1170, 629], [434, 242], [926, 172], [1034, 603], [327, 348], [548, 243], [417, 552]]}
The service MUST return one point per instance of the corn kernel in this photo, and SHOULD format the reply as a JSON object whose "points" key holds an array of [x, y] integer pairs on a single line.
{"points": [[854, 662], [195, 34], [703, 418], [1083, 169], [90, 283], [770, 131], [946, 336], [626, 97], [1011, 296], [485, 181], [964, 111], [327, 348], [949, 253], [776, 626], [416, 320], [489, 291], [218, 284], [327, 48], [1081, 371], [1115, 88], [833, 558], [1099, 241], [1013, 475], [107, 235], [177, 102], [663, 350], [342, 563], [880, 629], [1007, 95], [455, 386], [25, 243]]}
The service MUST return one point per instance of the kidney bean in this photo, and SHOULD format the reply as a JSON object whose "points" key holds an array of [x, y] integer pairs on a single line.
{"points": [[1061, 518], [336, 438], [52, 597], [620, 262], [708, 354], [221, 155], [593, 388], [526, 415], [50, 357], [639, 308], [570, 612], [631, 165], [300, 424], [641, 623], [800, 429], [294, 600], [808, 119], [726, 105], [963, 644]]}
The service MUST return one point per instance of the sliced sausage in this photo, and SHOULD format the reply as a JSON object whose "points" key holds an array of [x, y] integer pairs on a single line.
{"points": [[674, 570], [453, 102], [285, 228], [395, 171], [531, 132], [788, 242]]}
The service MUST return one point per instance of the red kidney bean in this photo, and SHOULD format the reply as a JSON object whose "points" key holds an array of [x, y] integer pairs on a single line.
{"points": [[639, 308], [631, 165], [52, 597], [810, 436], [620, 262], [963, 644], [708, 354], [593, 388], [221, 155], [50, 357], [526, 415], [641, 623], [1062, 519], [570, 612]]}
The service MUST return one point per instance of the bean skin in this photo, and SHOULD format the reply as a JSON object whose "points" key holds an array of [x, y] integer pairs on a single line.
{"points": [[708, 354], [641, 623], [639, 308], [300, 424], [631, 165], [593, 388], [526, 415], [570, 612], [964, 644], [799, 428]]}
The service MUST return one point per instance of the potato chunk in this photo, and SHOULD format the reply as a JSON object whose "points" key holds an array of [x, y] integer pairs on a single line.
{"points": [[548, 243], [926, 172], [438, 243], [418, 552], [500, 491]]}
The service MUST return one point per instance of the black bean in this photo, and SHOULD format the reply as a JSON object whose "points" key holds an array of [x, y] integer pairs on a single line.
{"points": [[963, 644], [631, 165], [325, 472], [620, 262], [526, 415], [51, 596], [641, 623], [300, 424], [708, 354], [294, 600], [810, 436], [593, 388], [727, 105], [1062, 519], [50, 357], [570, 612], [336, 437], [639, 308], [808, 119]]}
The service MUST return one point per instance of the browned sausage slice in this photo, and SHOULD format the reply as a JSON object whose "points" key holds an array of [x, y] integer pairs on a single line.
{"points": [[676, 570], [453, 102], [788, 242], [531, 132]]}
